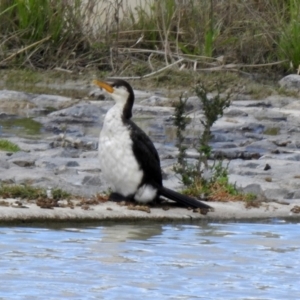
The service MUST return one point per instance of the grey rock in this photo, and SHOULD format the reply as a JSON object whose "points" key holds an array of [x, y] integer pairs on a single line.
{"points": [[24, 163], [224, 145], [4, 164], [156, 101], [268, 114], [262, 104], [294, 157], [61, 170], [289, 195], [12, 103], [89, 154], [157, 111], [193, 103], [253, 188], [291, 81], [14, 96], [235, 113], [91, 180], [138, 94], [65, 141], [225, 137], [97, 94], [296, 194], [252, 165], [45, 164], [257, 128], [53, 101], [292, 145], [252, 135], [72, 164], [82, 112], [261, 147], [237, 153], [277, 194]]}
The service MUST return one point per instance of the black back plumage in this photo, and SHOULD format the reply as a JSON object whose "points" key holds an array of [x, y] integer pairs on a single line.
{"points": [[146, 155]]}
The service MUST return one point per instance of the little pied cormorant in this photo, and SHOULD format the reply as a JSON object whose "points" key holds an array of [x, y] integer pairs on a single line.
{"points": [[129, 160]]}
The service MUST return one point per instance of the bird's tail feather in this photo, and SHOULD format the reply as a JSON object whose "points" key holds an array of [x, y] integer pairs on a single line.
{"points": [[182, 199]]}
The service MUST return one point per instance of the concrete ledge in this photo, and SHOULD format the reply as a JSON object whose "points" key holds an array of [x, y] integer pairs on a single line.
{"points": [[110, 211]]}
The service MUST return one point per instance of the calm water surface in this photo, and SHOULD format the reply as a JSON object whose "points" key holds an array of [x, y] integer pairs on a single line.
{"points": [[210, 261]]}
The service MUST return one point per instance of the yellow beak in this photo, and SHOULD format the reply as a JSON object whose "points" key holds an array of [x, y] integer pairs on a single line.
{"points": [[104, 85]]}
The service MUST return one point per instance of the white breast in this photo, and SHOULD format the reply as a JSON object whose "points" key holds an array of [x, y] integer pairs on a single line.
{"points": [[118, 163]]}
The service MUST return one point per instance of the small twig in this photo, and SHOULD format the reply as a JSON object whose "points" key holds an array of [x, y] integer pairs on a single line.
{"points": [[63, 70], [138, 41], [24, 49], [182, 67], [29, 56], [150, 74], [237, 66], [111, 59], [195, 66], [149, 61], [192, 58], [186, 56]]}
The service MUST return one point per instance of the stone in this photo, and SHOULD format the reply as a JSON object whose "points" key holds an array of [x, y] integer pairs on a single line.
{"points": [[72, 164], [291, 82], [156, 101], [14, 96], [193, 103], [97, 94], [23, 163], [276, 194], [82, 112], [91, 180], [253, 188], [4, 164], [235, 113], [53, 101]]}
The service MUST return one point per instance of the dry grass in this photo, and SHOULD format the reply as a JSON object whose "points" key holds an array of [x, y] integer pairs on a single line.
{"points": [[219, 190], [209, 35]]}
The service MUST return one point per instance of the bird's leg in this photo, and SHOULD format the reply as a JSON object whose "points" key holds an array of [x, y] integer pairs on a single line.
{"points": [[116, 197]]}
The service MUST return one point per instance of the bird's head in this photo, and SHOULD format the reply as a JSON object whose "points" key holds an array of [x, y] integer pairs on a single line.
{"points": [[121, 92]]}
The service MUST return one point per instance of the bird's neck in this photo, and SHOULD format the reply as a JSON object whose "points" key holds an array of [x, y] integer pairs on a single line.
{"points": [[116, 110], [121, 110]]}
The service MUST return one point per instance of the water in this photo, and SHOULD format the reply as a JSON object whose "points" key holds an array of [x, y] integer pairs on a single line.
{"points": [[143, 261], [20, 127]]}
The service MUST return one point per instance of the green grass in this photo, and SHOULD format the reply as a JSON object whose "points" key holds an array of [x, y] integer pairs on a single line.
{"points": [[21, 191], [6, 145], [30, 193]]}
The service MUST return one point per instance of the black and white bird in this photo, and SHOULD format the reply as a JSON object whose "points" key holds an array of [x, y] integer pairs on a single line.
{"points": [[129, 160]]}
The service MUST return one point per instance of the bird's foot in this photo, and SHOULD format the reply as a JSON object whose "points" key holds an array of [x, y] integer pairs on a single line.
{"points": [[116, 197]]}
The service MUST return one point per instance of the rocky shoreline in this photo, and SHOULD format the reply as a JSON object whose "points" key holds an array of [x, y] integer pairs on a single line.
{"points": [[260, 138]]}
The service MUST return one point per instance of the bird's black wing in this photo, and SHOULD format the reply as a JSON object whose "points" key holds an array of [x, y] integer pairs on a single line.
{"points": [[146, 155], [148, 159]]}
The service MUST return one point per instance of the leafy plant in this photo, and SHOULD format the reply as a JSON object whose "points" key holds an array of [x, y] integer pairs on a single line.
{"points": [[202, 179], [213, 109]]}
